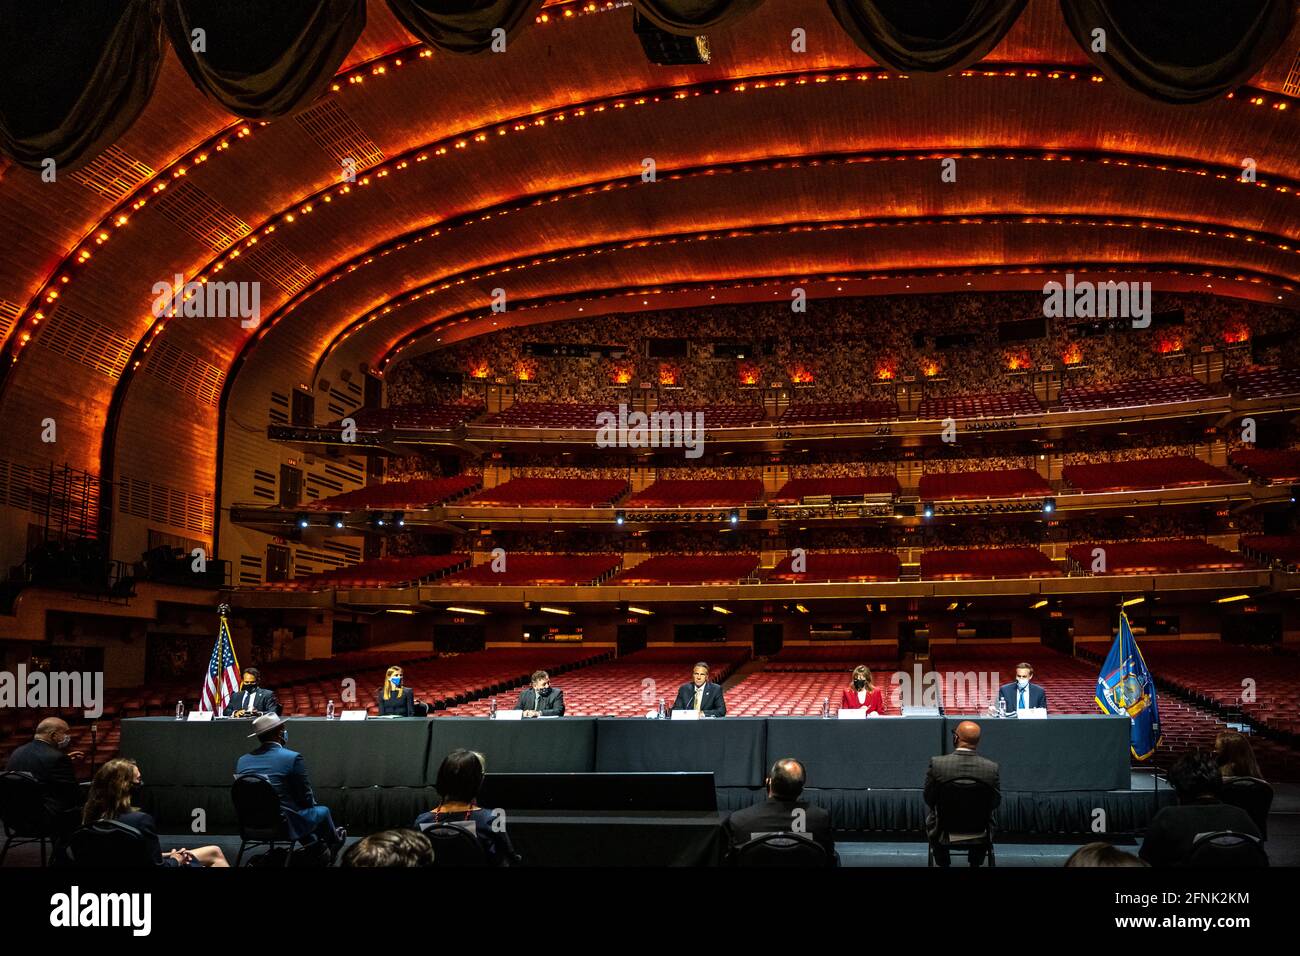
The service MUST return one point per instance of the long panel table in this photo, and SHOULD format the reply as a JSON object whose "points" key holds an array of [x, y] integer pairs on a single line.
{"points": [[868, 773]]}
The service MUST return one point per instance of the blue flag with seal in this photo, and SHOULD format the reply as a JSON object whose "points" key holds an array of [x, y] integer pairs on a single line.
{"points": [[1124, 686]]}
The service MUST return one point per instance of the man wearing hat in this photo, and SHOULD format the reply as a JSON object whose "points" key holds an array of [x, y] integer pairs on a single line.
{"points": [[287, 773]]}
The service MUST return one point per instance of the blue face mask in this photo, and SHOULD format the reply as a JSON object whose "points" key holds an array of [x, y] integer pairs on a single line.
{"points": [[1022, 681], [397, 681]]}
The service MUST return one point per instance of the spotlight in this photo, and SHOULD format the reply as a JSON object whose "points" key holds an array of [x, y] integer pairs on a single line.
{"points": [[928, 510], [303, 521], [1049, 505], [735, 516], [399, 519], [338, 522], [619, 517]]}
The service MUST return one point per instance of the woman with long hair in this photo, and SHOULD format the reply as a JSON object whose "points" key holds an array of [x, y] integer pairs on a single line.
{"points": [[112, 795], [397, 700], [1235, 756], [863, 693]]}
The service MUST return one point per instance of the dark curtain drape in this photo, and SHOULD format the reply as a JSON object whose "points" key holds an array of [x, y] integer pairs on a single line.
{"points": [[463, 26], [264, 59], [76, 75], [1183, 52], [926, 35], [693, 17]]}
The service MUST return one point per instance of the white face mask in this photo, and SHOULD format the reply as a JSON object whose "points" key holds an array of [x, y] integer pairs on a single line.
{"points": [[1022, 681]]}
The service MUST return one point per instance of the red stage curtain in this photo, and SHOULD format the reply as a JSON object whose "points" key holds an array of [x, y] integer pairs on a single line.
{"points": [[264, 59], [926, 35], [1183, 52]]}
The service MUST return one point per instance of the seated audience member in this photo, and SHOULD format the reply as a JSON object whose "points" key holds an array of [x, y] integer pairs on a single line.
{"points": [[390, 849], [701, 695], [1197, 781], [111, 793], [962, 762], [252, 700], [1021, 694], [398, 701], [47, 758], [1102, 854], [1235, 756], [864, 693], [780, 811], [541, 699], [458, 782], [287, 773]]}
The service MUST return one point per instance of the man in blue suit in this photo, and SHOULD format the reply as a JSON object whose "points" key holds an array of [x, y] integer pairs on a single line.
{"points": [[701, 694], [1022, 695], [287, 773]]}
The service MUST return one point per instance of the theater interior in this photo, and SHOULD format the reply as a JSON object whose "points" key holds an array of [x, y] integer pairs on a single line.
{"points": [[603, 337]]}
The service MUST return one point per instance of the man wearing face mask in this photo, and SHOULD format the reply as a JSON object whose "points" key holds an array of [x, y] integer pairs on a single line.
{"points": [[541, 699], [47, 758], [1022, 695], [252, 700]]}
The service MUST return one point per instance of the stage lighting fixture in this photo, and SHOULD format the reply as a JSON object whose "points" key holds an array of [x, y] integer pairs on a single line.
{"points": [[399, 519], [734, 517], [303, 521], [619, 517], [1049, 505], [467, 610], [928, 510], [338, 522]]}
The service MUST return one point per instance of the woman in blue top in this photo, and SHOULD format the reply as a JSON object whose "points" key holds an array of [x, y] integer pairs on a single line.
{"points": [[459, 779], [111, 793]]}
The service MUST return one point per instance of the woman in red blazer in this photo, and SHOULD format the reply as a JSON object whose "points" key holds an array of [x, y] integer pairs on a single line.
{"points": [[864, 693]]}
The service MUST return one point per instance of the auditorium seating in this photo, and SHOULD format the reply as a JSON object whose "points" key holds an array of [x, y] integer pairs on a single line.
{"points": [[797, 693], [968, 485], [992, 405], [827, 566], [964, 564], [632, 684], [377, 573], [414, 417], [1175, 472], [697, 493], [398, 494], [1282, 548], [538, 570], [1152, 391], [1157, 557], [586, 416], [552, 493], [718, 416], [797, 489], [1274, 465], [833, 657], [688, 569], [1261, 381], [829, 413]]}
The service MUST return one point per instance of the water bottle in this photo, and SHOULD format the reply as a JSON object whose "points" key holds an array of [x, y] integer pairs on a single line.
{"points": [[492, 708], [826, 708], [180, 710], [662, 711], [1002, 706], [329, 710]]}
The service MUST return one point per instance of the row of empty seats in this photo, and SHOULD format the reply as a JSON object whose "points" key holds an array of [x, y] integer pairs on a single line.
{"points": [[398, 494], [962, 564], [1152, 391], [414, 417], [829, 413], [967, 485], [589, 415], [1282, 548], [552, 493], [837, 566], [668, 569], [1174, 472], [537, 570], [377, 573], [798, 489], [1264, 381], [1155, 557], [1276, 465], [991, 405], [697, 493]]}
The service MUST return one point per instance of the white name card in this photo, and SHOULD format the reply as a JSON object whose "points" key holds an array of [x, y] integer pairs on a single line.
{"points": [[857, 713], [1032, 713], [198, 716], [920, 711], [352, 715], [510, 715], [686, 715]]}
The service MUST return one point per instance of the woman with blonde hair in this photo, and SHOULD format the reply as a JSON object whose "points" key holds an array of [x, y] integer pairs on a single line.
{"points": [[395, 700], [864, 693], [112, 791]]}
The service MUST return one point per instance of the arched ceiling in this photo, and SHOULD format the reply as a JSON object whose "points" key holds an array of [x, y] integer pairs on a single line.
{"points": [[523, 171]]}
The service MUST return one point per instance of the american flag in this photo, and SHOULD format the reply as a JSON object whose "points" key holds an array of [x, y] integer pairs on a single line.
{"points": [[223, 672]]}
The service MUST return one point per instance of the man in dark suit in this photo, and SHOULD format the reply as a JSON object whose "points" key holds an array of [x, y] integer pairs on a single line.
{"points": [[783, 811], [251, 700], [962, 762], [541, 699], [287, 773], [1196, 779], [1021, 694], [701, 695], [46, 757]]}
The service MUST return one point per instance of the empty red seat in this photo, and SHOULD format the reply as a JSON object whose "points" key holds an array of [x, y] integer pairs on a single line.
{"points": [[966, 485], [1174, 472]]}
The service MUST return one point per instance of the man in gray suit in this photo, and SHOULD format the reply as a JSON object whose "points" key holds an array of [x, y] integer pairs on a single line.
{"points": [[541, 699], [962, 762]]}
